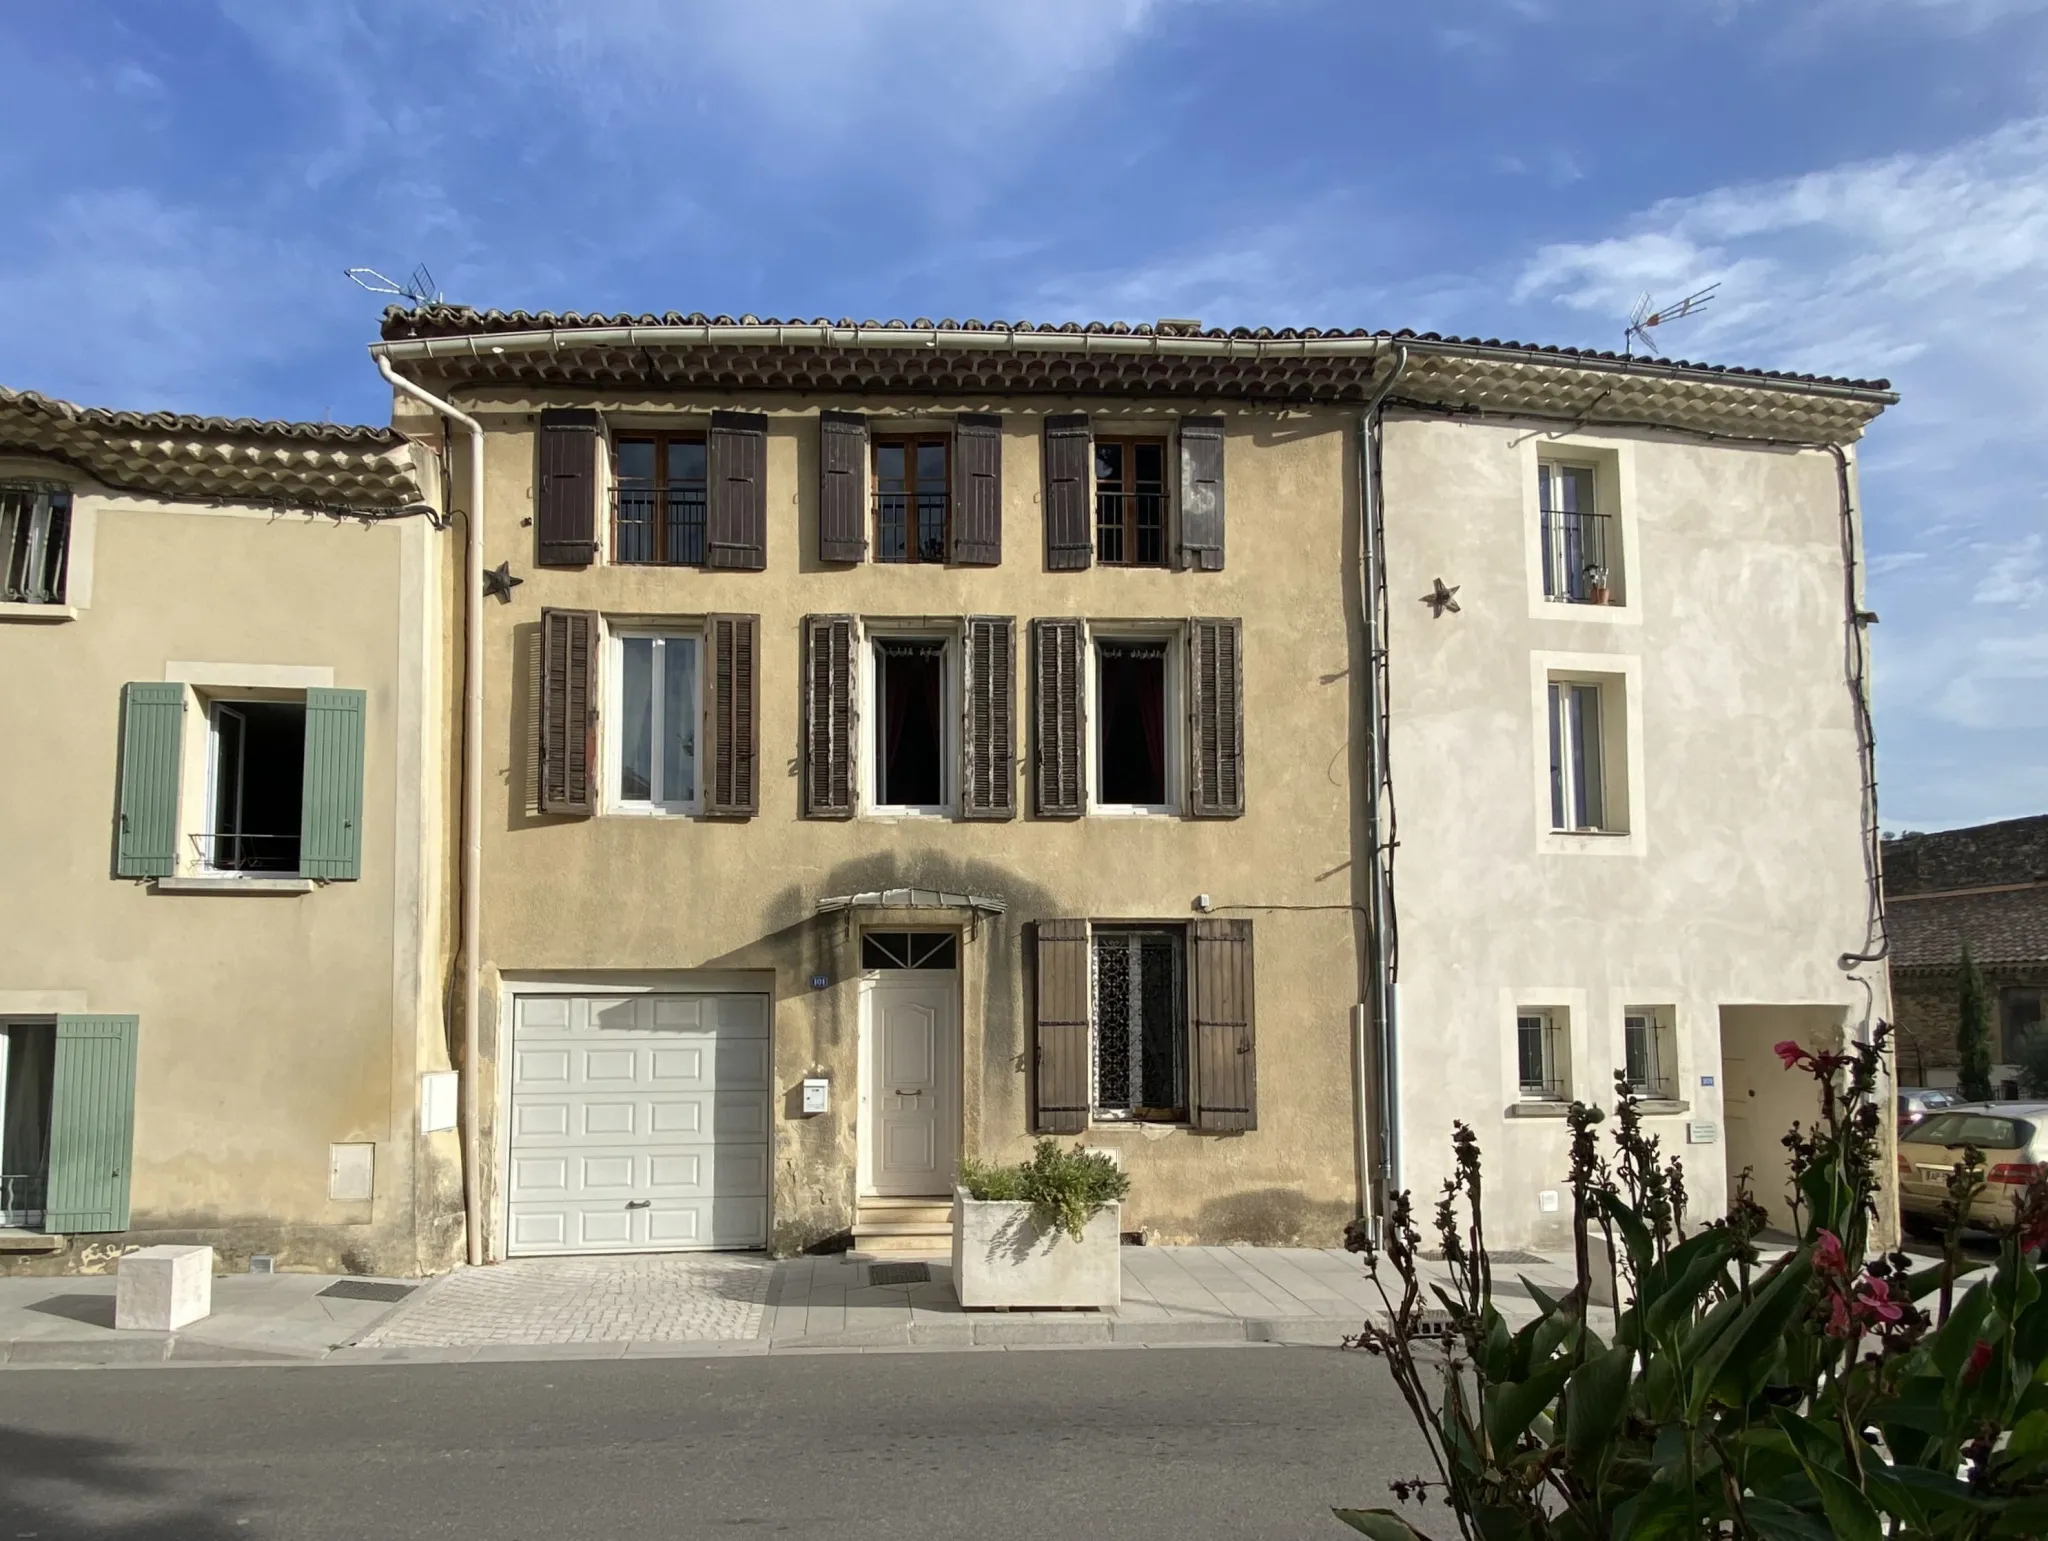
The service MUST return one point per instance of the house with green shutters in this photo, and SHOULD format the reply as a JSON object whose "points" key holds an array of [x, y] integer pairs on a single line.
{"points": [[219, 1001]]}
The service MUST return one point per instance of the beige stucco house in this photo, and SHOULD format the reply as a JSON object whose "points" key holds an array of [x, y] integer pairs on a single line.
{"points": [[220, 990], [1242, 752]]}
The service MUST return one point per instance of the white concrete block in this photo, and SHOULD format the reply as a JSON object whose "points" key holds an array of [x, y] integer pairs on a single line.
{"points": [[160, 1289], [1002, 1258]]}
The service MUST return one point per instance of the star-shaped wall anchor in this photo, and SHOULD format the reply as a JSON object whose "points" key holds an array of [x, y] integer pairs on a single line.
{"points": [[499, 581], [1440, 599]]}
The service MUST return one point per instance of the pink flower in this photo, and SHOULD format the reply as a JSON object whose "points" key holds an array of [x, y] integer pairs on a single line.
{"points": [[1874, 1302], [1790, 1053], [1838, 1317], [1980, 1360], [1827, 1254]]}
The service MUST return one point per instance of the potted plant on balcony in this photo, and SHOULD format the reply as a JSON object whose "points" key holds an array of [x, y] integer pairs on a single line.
{"points": [[1040, 1233]]}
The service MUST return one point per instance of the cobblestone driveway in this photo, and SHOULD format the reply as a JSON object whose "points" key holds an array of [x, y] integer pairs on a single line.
{"points": [[662, 1299]]}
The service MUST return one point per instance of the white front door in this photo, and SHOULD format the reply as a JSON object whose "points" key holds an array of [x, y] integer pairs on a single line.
{"points": [[910, 1083]]}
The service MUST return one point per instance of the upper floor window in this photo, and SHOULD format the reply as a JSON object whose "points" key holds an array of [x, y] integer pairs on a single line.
{"points": [[35, 536], [658, 499], [1579, 738], [256, 765], [1580, 548], [912, 498], [655, 693], [1130, 502], [1132, 679], [913, 747]]}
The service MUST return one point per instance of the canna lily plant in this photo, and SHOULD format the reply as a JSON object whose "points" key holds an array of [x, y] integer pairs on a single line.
{"points": [[1817, 1394]]}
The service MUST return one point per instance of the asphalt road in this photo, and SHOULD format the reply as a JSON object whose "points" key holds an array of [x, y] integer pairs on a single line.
{"points": [[1188, 1444]]}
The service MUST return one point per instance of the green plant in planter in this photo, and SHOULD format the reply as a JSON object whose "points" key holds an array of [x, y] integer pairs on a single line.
{"points": [[1793, 1400], [1065, 1188]]}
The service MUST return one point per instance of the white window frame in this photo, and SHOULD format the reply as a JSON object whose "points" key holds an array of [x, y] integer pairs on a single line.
{"points": [[198, 859], [1619, 676], [80, 539], [1614, 491], [870, 714], [1174, 728], [25, 1218], [613, 679], [1576, 748]]}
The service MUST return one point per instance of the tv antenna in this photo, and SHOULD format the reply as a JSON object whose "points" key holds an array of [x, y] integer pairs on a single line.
{"points": [[417, 290], [1643, 318]]}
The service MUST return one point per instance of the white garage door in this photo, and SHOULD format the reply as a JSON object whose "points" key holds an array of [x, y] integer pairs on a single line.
{"points": [[639, 1123]]}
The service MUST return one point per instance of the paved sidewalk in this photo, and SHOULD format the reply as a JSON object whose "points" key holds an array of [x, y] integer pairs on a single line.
{"points": [[703, 1304]]}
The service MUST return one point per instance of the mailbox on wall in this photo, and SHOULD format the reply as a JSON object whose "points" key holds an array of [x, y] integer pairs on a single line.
{"points": [[817, 1094]]}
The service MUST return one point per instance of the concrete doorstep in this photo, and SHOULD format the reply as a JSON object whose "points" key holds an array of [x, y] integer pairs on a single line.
{"points": [[709, 1305]]}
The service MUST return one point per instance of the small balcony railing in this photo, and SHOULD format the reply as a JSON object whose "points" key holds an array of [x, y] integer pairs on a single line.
{"points": [[22, 1197], [1575, 559], [256, 854], [662, 525], [910, 527], [1130, 528]]}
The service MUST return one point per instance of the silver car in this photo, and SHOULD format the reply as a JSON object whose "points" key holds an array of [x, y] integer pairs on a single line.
{"points": [[2013, 1137]]}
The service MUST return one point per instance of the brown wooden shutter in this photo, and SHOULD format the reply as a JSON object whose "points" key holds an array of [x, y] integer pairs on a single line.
{"points": [[1215, 719], [828, 716], [990, 778], [977, 490], [732, 715], [737, 528], [1059, 719], [1060, 1079], [1201, 493], [1069, 521], [565, 507], [1226, 1057], [569, 641], [842, 472]]}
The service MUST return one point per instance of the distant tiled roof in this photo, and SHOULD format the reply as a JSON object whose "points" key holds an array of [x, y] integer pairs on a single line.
{"points": [[333, 467], [462, 321], [2010, 851], [2007, 925], [731, 354]]}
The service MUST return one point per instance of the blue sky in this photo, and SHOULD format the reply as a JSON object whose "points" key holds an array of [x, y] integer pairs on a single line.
{"points": [[1868, 179]]}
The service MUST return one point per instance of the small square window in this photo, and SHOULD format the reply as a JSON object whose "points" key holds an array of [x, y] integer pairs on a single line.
{"points": [[911, 737], [1130, 502], [1141, 1023], [256, 771], [1542, 1053], [659, 490], [1580, 545], [909, 950], [1650, 1051], [35, 541], [913, 499], [655, 689]]}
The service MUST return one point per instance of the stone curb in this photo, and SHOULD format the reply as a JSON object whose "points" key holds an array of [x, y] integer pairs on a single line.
{"points": [[954, 1335]]}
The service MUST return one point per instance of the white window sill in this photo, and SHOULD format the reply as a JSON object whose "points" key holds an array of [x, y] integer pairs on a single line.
{"points": [[1535, 1109], [653, 811], [225, 884], [26, 612], [1659, 1107], [1132, 811], [893, 814], [20, 1239]]}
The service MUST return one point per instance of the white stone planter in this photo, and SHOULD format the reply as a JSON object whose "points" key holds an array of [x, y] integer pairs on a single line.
{"points": [[160, 1289], [1002, 1258]]}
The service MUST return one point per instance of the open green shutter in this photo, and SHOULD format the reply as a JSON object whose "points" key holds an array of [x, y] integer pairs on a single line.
{"points": [[331, 812], [152, 729], [92, 1125]]}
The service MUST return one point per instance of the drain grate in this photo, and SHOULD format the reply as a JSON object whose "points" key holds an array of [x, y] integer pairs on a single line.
{"points": [[1511, 1256], [899, 1273], [367, 1289]]}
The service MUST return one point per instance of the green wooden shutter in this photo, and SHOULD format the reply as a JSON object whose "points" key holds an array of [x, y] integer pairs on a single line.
{"points": [[92, 1125], [152, 730], [331, 808]]}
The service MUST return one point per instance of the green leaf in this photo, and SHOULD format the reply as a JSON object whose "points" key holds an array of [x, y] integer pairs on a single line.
{"points": [[1380, 1524], [1681, 1296], [2026, 1517], [1510, 1408], [1896, 1498], [1849, 1511], [2029, 1440], [1597, 1400], [1752, 1334], [1777, 1521], [1634, 1234], [1959, 1334]]}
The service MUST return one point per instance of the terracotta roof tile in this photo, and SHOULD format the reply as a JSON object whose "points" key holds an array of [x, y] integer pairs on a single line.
{"points": [[2002, 926]]}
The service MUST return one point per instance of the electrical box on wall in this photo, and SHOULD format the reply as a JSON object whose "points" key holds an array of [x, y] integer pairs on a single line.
{"points": [[437, 1101], [817, 1094]]}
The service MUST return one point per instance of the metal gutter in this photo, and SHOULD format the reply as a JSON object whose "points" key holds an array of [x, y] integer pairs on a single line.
{"points": [[1379, 1179], [469, 879]]}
